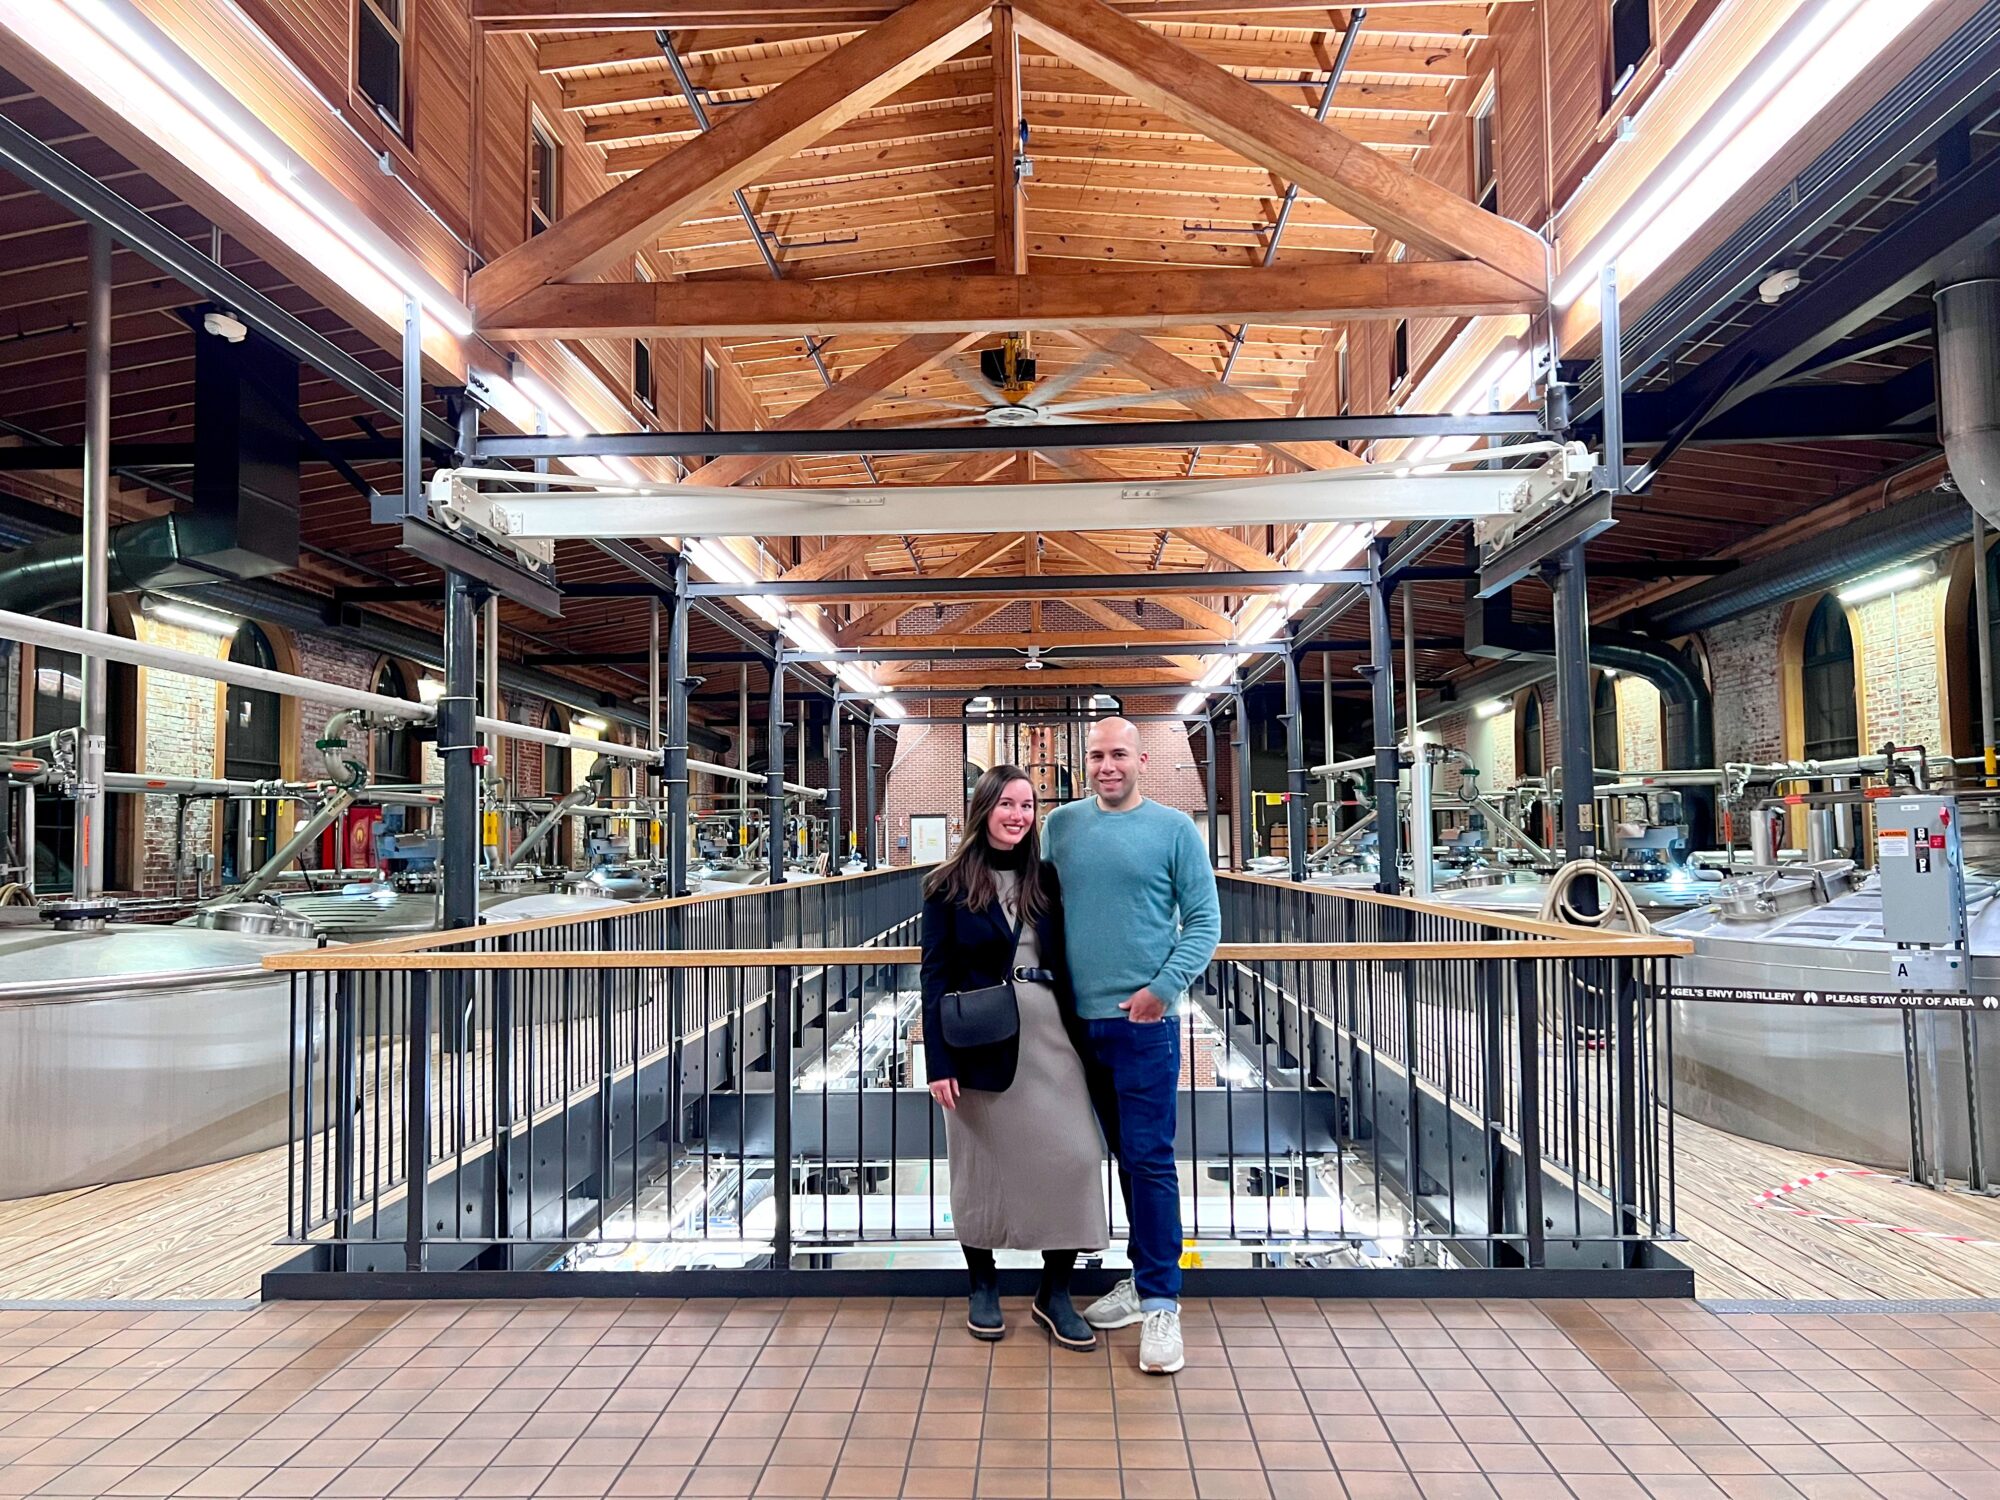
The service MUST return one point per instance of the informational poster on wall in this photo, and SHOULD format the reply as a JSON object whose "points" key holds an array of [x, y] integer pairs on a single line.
{"points": [[929, 838]]}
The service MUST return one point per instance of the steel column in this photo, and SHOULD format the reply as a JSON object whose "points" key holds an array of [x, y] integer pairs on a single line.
{"points": [[457, 709], [653, 740], [1573, 709], [1381, 675], [1246, 818], [87, 856], [833, 791], [674, 766], [774, 831], [1421, 832], [1295, 770], [1208, 773], [1982, 602], [869, 839]]}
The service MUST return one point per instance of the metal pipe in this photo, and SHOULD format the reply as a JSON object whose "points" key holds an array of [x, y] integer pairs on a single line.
{"points": [[72, 638], [1421, 831], [868, 858], [743, 746], [1573, 711], [87, 858], [653, 705], [301, 839], [1246, 818], [1208, 775], [565, 805], [489, 675]]}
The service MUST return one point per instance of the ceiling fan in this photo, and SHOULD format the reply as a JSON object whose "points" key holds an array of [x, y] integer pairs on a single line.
{"points": [[1017, 399]]}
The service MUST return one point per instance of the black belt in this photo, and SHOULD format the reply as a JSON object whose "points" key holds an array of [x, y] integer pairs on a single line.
{"points": [[1034, 976]]}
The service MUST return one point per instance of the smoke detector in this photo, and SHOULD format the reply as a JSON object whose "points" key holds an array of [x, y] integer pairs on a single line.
{"points": [[225, 326], [1034, 661], [1779, 285]]}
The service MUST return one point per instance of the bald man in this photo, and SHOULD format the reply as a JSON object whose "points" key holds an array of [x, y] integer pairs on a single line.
{"points": [[1139, 902]]}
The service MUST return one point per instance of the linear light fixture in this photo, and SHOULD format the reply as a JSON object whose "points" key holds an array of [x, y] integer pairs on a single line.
{"points": [[1835, 42], [429, 690], [260, 148], [1492, 708], [588, 723], [1862, 590]]}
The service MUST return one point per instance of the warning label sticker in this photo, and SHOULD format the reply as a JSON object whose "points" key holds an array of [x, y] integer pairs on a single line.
{"points": [[1893, 843], [1751, 995]]}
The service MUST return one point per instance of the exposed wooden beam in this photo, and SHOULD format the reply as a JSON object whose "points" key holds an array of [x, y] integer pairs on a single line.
{"points": [[1010, 228], [1082, 464], [974, 467], [745, 142], [970, 561], [831, 559], [1168, 371], [1227, 548], [1052, 679], [1159, 71], [1104, 560], [844, 399], [967, 301]]}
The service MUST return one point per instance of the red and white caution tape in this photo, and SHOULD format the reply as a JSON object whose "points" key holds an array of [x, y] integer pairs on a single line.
{"points": [[1775, 1200]]}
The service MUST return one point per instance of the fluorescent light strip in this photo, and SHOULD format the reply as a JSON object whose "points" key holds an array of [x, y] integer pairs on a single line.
{"points": [[1887, 583], [1741, 140], [191, 617], [223, 116]]}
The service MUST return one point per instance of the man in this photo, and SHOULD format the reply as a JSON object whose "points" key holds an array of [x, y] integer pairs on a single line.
{"points": [[1139, 902]]}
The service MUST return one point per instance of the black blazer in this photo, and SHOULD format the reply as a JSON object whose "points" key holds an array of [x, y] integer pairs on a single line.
{"points": [[969, 950]]}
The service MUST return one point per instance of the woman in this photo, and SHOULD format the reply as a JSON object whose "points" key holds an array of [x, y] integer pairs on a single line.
{"points": [[1026, 1165]]}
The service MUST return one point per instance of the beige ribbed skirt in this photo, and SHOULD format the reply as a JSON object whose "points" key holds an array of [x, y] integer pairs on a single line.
{"points": [[1027, 1164]]}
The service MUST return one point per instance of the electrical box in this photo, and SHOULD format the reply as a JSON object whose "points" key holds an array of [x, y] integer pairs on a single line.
{"points": [[1923, 880]]}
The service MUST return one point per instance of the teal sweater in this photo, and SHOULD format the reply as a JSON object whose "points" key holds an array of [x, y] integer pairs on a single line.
{"points": [[1138, 900]]}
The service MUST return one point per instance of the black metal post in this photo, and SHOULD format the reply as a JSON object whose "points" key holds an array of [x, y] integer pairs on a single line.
{"points": [[1246, 815], [417, 1122], [868, 836], [781, 1114], [675, 766], [1214, 816], [1381, 675], [457, 708], [774, 792], [833, 799], [1573, 710], [1297, 803]]}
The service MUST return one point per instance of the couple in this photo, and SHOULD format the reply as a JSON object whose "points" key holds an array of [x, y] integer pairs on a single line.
{"points": [[1130, 883]]}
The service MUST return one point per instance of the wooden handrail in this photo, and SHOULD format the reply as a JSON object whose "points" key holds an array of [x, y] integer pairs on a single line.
{"points": [[344, 959], [419, 942]]}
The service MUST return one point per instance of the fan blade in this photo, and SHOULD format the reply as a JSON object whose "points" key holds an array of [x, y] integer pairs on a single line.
{"points": [[1092, 361], [967, 370]]}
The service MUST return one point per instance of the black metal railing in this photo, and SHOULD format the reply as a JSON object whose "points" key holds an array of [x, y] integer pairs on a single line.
{"points": [[736, 1082]]}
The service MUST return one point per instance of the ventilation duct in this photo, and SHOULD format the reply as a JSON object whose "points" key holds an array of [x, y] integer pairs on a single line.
{"points": [[1968, 364], [244, 484]]}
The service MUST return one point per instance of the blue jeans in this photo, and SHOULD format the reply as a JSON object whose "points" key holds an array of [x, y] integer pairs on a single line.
{"points": [[1135, 1086]]}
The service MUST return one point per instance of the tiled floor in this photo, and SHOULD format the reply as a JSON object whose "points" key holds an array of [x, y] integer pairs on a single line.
{"points": [[1369, 1401]]}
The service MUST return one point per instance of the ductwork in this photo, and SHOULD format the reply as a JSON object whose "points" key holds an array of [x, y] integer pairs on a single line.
{"points": [[1968, 365], [145, 554], [1902, 534]]}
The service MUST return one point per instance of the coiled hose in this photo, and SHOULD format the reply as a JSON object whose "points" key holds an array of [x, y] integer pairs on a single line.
{"points": [[1621, 912]]}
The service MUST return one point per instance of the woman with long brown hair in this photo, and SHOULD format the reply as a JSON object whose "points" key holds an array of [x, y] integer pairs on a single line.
{"points": [[1001, 1046]]}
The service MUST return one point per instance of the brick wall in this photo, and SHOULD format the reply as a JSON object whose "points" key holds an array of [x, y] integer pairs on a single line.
{"points": [[330, 660], [182, 726], [1748, 682], [1639, 745], [1897, 659]]}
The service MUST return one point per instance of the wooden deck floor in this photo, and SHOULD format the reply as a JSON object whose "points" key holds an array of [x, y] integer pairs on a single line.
{"points": [[206, 1233]]}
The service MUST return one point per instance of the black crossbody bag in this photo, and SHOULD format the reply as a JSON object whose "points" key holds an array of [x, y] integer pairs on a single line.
{"points": [[980, 1018]]}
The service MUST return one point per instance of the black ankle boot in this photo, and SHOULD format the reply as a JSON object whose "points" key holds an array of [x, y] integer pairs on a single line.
{"points": [[1053, 1309], [983, 1317]]}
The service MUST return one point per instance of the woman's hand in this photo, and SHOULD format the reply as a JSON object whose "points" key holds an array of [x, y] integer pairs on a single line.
{"points": [[945, 1091]]}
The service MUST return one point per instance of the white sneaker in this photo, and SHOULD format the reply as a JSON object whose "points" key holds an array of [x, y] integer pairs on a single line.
{"points": [[1160, 1351], [1117, 1308]]}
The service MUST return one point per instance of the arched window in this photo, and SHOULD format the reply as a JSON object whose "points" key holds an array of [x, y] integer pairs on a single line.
{"points": [[252, 750], [555, 762], [1529, 761], [1604, 743], [1832, 722], [395, 751], [56, 702]]}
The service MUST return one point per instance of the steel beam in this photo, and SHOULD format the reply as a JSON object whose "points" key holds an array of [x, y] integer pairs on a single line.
{"points": [[675, 765], [921, 589], [1381, 675], [774, 833], [784, 443], [1298, 792], [87, 854]]}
